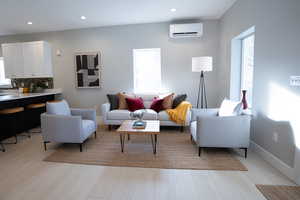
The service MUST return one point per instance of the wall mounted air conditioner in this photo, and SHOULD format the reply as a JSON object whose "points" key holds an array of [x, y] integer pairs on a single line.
{"points": [[186, 30]]}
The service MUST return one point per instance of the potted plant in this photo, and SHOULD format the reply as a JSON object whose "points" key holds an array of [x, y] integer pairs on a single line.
{"points": [[39, 87]]}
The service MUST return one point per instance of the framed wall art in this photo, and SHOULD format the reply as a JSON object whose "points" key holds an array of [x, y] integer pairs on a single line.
{"points": [[88, 69]]}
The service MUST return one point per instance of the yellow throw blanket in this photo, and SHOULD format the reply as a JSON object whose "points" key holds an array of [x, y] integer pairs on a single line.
{"points": [[178, 115]]}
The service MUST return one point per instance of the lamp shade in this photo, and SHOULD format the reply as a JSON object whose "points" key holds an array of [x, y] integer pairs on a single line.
{"points": [[200, 64]]}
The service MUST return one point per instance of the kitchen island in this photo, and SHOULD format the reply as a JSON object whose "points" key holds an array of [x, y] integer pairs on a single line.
{"points": [[14, 99], [29, 118]]}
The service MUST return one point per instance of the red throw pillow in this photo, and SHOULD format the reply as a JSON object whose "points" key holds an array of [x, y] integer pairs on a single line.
{"points": [[135, 104], [157, 105]]}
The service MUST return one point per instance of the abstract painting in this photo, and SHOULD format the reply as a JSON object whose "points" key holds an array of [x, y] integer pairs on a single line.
{"points": [[88, 70]]}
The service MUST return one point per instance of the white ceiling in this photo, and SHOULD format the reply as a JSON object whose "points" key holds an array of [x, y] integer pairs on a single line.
{"points": [[53, 15]]}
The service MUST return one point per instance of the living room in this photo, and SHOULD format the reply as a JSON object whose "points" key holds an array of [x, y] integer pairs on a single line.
{"points": [[128, 38]]}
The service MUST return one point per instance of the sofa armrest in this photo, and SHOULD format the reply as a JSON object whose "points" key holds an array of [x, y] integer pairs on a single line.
{"points": [[89, 114], [61, 128], [233, 131], [105, 108], [203, 113]]}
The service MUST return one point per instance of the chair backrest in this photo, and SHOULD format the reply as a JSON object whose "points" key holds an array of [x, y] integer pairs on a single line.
{"points": [[58, 108]]}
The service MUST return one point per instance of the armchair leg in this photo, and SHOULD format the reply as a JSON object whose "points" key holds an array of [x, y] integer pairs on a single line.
{"points": [[199, 151], [191, 138], [181, 129], [246, 152], [2, 147], [45, 145], [109, 127], [80, 147], [95, 134]]}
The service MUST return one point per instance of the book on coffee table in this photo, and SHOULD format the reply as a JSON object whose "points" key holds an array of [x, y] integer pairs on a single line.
{"points": [[139, 125]]}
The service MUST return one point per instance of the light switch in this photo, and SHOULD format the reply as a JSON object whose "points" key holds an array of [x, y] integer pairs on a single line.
{"points": [[295, 81]]}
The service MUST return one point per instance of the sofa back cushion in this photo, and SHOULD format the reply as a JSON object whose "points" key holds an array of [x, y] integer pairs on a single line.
{"points": [[230, 108], [135, 104], [168, 101], [178, 99], [113, 101], [58, 108], [147, 98], [157, 105], [122, 100]]}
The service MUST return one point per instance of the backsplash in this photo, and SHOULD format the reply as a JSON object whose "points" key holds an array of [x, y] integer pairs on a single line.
{"points": [[29, 82]]}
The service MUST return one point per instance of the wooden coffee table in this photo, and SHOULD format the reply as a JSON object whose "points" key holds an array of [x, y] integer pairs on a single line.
{"points": [[152, 129]]}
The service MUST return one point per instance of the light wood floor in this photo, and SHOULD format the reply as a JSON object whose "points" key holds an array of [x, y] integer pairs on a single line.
{"points": [[23, 175]]}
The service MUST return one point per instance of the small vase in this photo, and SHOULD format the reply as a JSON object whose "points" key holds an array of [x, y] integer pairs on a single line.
{"points": [[244, 100]]}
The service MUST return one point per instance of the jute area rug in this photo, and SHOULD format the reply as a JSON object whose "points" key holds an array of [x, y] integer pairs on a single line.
{"points": [[175, 150], [275, 192]]}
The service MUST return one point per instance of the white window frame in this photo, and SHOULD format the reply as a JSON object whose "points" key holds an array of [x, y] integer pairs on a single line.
{"points": [[236, 65], [249, 99], [4, 85], [138, 90]]}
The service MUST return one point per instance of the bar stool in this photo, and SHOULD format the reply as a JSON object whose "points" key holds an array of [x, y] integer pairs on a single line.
{"points": [[12, 123], [33, 115], [2, 147]]}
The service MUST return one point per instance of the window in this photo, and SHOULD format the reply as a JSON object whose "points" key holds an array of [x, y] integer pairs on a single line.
{"points": [[4, 82], [147, 70], [242, 65], [247, 65]]}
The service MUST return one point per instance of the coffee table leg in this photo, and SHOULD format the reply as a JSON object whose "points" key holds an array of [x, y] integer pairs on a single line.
{"points": [[122, 138], [154, 143]]}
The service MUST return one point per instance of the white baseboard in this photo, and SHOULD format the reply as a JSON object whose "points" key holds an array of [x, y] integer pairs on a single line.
{"points": [[273, 160]]}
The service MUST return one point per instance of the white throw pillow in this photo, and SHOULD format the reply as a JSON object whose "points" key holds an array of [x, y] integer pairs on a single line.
{"points": [[58, 108], [230, 108]]}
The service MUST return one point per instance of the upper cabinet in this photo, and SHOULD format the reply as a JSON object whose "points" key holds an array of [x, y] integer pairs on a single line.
{"points": [[27, 60]]}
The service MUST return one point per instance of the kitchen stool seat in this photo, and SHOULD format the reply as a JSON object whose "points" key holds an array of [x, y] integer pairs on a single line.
{"points": [[33, 113], [12, 120]]}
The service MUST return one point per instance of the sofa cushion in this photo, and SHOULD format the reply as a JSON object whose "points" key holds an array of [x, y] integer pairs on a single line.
{"points": [[163, 116], [150, 115], [135, 104], [147, 98], [178, 99], [58, 108], [118, 115], [168, 101], [157, 104], [125, 115], [230, 108], [88, 127], [113, 100], [122, 100]]}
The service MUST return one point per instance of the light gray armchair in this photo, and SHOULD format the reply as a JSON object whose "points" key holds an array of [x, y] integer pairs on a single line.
{"points": [[64, 125], [209, 130]]}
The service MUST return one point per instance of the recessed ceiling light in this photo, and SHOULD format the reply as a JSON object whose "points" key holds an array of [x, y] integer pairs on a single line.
{"points": [[29, 23], [83, 17], [173, 10]]}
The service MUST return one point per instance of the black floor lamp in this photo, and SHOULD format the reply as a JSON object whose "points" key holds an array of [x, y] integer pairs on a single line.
{"points": [[202, 64]]}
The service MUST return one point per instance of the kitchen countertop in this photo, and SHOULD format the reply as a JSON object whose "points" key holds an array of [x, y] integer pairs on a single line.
{"points": [[8, 96]]}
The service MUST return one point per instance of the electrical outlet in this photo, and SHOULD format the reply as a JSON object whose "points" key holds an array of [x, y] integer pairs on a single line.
{"points": [[275, 137], [295, 81]]}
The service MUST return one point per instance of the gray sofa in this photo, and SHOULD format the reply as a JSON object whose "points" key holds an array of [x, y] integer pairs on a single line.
{"points": [[116, 117]]}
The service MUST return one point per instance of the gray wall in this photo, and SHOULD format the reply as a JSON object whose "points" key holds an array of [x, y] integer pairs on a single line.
{"points": [[277, 56], [116, 44]]}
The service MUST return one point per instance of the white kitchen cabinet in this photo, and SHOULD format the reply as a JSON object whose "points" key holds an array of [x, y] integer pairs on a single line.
{"points": [[33, 60], [13, 60]]}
